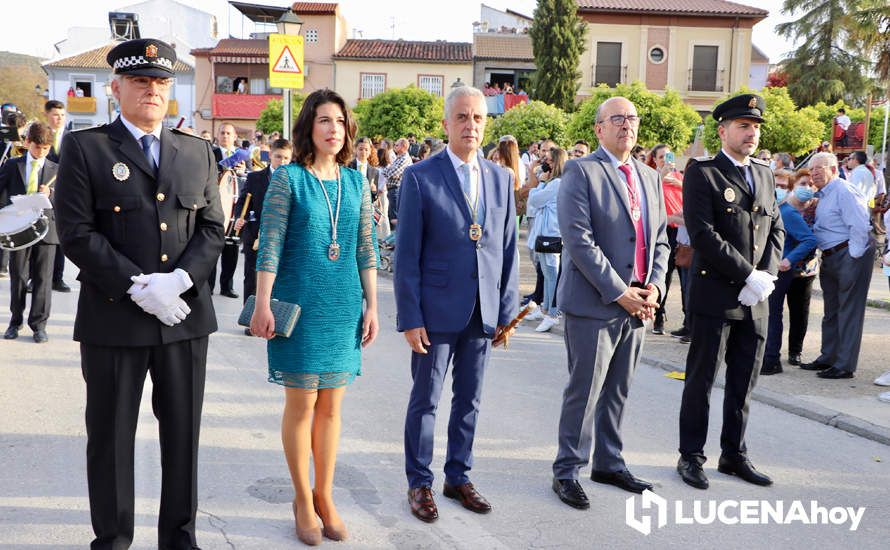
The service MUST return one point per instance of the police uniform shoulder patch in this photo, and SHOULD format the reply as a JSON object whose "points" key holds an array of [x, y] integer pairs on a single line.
{"points": [[701, 159], [756, 160], [179, 132]]}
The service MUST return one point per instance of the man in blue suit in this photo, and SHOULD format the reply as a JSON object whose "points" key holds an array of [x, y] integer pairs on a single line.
{"points": [[456, 287]]}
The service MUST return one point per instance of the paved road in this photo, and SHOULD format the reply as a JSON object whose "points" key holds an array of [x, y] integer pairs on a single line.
{"points": [[245, 492]]}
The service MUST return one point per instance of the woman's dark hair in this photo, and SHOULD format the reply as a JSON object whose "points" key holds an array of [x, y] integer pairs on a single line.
{"points": [[558, 162], [383, 152], [304, 148], [653, 155]]}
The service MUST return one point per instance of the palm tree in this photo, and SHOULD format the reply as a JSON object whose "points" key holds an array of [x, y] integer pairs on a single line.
{"points": [[872, 29]]}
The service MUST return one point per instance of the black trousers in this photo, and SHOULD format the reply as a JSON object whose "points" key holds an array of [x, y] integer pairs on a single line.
{"points": [[249, 272], [58, 265], [114, 378], [799, 294], [741, 345], [35, 262], [228, 261], [661, 313]]}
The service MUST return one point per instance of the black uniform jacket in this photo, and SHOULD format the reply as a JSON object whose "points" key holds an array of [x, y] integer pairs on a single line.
{"points": [[116, 220], [257, 184], [14, 182], [732, 232]]}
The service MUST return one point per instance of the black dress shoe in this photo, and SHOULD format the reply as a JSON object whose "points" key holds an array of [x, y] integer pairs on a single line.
{"points": [[40, 336], [774, 367], [622, 479], [60, 286], [11, 333], [229, 294], [794, 359], [658, 329], [834, 374], [744, 469], [692, 473], [815, 365], [570, 492]]}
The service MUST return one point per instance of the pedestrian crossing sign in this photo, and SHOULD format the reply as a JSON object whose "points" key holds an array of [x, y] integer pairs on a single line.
{"points": [[285, 61]]}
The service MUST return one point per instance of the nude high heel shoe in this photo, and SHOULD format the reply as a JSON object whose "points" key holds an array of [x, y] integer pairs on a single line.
{"points": [[333, 532], [309, 537]]}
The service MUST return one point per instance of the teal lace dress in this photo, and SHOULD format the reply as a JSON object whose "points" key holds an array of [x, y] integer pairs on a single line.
{"points": [[324, 350]]}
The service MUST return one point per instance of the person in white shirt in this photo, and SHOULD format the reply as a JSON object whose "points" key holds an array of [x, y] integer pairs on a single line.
{"points": [[844, 122], [859, 176]]}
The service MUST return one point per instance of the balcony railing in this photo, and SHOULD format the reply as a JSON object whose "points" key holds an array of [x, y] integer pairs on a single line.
{"points": [[82, 105], [611, 75], [705, 80]]}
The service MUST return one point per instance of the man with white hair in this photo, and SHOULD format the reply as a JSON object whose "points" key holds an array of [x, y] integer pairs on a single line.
{"points": [[456, 288], [848, 253]]}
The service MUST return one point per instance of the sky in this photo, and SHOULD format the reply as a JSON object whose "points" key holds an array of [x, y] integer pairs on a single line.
{"points": [[35, 31]]}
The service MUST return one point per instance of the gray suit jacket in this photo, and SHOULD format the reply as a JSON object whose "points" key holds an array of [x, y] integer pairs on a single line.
{"points": [[598, 236]]}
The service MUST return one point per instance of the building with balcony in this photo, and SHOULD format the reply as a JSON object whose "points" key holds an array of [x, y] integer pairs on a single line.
{"points": [[700, 48], [233, 76], [89, 72], [502, 49]]}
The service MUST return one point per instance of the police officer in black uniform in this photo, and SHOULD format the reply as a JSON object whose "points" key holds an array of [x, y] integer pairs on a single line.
{"points": [[729, 206], [138, 211]]}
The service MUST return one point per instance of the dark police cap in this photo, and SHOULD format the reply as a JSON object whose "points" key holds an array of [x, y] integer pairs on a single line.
{"points": [[741, 106], [143, 57]]}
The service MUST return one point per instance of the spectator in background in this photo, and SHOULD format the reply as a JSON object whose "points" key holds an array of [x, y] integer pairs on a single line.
{"points": [[423, 152], [393, 173], [843, 121], [860, 177], [765, 155], [580, 149], [207, 135], [413, 146], [546, 229], [660, 159], [783, 161], [639, 152], [800, 246]]}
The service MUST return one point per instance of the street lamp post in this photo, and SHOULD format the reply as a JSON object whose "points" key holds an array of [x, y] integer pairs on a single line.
{"points": [[290, 24]]}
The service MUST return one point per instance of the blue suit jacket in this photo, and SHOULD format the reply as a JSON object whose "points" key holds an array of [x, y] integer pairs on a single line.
{"points": [[438, 270]]}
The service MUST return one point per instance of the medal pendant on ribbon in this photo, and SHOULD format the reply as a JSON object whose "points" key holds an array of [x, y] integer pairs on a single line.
{"points": [[635, 214], [475, 232], [334, 252]]}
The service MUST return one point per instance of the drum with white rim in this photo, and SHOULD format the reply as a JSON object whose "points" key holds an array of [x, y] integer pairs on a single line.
{"points": [[21, 228]]}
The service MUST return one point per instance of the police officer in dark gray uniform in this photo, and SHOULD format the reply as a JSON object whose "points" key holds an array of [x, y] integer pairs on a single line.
{"points": [[138, 212], [729, 206]]}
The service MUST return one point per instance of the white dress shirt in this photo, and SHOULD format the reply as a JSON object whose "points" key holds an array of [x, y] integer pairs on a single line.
{"points": [[137, 133]]}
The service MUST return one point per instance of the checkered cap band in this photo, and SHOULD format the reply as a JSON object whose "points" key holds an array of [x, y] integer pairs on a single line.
{"points": [[139, 60]]}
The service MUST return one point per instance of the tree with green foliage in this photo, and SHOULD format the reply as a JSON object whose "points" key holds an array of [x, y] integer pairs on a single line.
{"points": [[663, 118], [826, 114], [529, 122], [829, 63], [272, 117], [785, 128], [400, 111], [558, 39], [872, 28]]}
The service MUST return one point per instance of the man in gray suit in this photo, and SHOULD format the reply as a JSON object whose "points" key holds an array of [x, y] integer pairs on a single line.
{"points": [[612, 219]]}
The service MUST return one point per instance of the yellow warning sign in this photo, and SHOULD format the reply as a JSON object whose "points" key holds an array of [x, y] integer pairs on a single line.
{"points": [[285, 61]]}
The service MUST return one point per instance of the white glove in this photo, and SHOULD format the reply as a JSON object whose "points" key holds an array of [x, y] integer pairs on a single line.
{"points": [[175, 314], [747, 296], [161, 290], [761, 283]]}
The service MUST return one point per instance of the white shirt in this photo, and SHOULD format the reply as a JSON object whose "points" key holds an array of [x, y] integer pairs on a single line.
{"points": [[137, 134], [474, 172], [863, 181], [843, 121], [29, 160], [748, 174]]}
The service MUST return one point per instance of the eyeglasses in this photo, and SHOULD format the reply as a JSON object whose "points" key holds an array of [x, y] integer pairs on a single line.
{"points": [[143, 82], [618, 120], [578, 152]]}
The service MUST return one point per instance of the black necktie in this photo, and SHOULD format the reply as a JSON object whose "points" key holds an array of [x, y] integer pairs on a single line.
{"points": [[744, 170], [147, 140]]}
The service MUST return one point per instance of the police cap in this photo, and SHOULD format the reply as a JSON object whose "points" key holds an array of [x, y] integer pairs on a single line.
{"points": [[741, 106], [143, 57]]}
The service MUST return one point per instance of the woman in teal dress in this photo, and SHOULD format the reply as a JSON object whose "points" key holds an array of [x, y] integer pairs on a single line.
{"points": [[317, 249]]}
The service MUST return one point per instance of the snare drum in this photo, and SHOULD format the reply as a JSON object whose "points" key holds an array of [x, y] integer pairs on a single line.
{"points": [[21, 229]]}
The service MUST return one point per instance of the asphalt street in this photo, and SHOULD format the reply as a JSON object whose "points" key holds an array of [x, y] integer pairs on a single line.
{"points": [[245, 492]]}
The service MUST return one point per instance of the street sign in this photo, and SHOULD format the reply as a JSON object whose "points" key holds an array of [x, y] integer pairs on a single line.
{"points": [[285, 61]]}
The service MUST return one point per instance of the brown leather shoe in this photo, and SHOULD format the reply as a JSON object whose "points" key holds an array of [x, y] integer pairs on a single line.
{"points": [[422, 504], [468, 496]]}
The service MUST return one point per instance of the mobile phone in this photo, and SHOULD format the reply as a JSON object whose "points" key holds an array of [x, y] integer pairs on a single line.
{"points": [[264, 156], [669, 157]]}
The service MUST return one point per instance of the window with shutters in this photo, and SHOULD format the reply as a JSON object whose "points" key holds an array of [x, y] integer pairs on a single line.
{"points": [[257, 86], [704, 69], [432, 83], [608, 64], [372, 84]]}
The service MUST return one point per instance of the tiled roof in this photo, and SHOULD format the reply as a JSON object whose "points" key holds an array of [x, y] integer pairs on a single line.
{"points": [[516, 47], [407, 50], [95, 59], [316, 8], [240, 106], [672, 7], [236, 46]]}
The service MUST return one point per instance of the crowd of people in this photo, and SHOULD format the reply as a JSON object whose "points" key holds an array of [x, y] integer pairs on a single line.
{"points": [[140, 209]]}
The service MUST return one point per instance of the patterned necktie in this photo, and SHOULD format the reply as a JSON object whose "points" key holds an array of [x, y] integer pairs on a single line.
{"points": [[147, 140], [637, 218], [32, 178]]}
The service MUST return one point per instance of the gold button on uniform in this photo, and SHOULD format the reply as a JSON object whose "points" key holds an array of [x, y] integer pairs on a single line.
{"points": [[756, 208], [163, 226], [117, 208], [163, 257], [703, 272], [160, 197], [194, 207], [756, 226], [755, 247]]}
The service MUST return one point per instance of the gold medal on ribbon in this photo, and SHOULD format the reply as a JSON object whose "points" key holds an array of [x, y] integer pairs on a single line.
{"points": [[334, 252], [475, 232]]}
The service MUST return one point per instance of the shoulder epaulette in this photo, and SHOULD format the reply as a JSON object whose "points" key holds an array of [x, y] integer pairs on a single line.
{"points": [[758, 161]]}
